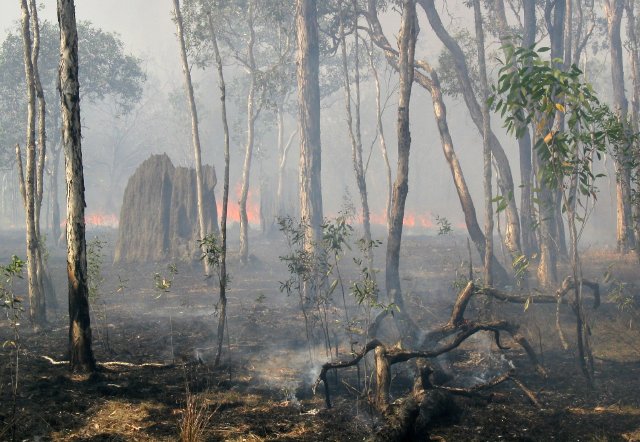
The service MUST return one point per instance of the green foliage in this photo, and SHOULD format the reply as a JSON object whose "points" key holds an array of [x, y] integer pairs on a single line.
{"points": [[10, 302], [623, 295], [212, 252], [521, 268], [444, 226], [535, 92], [316, 274], [106, 71], [164, 281], [365, 289]]}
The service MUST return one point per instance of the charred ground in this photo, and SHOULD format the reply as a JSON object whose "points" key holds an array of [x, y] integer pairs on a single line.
{"points": [[154, 345]]}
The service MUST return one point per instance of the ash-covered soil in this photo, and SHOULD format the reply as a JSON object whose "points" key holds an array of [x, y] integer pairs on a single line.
{"points": [[155, 344]]}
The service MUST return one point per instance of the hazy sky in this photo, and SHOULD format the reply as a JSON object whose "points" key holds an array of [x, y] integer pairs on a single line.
{"points": [[144, 25]]}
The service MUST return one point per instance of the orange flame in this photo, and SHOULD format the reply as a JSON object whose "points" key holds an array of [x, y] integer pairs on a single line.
{"points": [[97, 219], [233, 209]]}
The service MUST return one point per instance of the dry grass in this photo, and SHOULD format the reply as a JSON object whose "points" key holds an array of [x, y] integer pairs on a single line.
{"points": [[195, 418]]}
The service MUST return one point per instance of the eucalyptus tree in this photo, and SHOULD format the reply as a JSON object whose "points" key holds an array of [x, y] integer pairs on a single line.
{"points": [[534, 91], [195, 130], [106, 71], [252, 35], [307, 74], [486, 147], [614, 10], [80, 350], [31, 182], [505, 181], [406, 57], [427, 77]]}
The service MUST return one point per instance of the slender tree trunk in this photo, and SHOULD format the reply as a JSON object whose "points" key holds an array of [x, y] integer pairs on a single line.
{"points": [[44, 280], [407, 41], [624, 232], [283, 151], [195, 133], [248, 154], [80, 351], [527, 221], [466, 202], [309, 122], [37, 308], [432, 84], [383, 142], [634, 56], [354, 131], [486, 129], [222, 317], [505, 181], [53, 188]]}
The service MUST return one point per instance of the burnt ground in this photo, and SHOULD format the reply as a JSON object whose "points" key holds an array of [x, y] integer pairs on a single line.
{"points": [[155, 349]]}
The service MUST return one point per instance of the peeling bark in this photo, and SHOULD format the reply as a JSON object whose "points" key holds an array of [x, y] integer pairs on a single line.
{"points": [[80, 351]]}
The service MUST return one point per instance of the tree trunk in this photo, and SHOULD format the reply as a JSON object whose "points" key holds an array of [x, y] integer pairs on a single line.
{"points": [[624, 231], [486, 129], [195, 133], [248, 154], [505, 181], [432, 84], [383, 142], [44, 280], [222, 314], [53, 189], [407, 41], [37, 308], [309, 122], [527, 221], [634, 56], [283, 150], [466, 202], [80, 351], [353, 123]]}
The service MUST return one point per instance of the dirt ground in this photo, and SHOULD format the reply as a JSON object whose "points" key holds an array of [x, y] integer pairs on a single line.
{"points": [[155, 348]]}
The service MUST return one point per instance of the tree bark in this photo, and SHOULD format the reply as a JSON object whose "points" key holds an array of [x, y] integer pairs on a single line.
{"points": [[248, 154], [505, 181], [195, 133], [407, 41], [37, 306], [222, 317], [634, 56], [80, 351], [383, 142], [624, 232], [432, 84], [309, 122], [353, 124], [527, 221], [486, 129]]}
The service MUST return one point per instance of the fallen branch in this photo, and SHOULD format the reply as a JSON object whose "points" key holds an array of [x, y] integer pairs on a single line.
{"points": [[114, 363]]}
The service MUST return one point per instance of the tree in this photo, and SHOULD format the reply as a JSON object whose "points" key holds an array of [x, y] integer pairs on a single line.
{"points": [[407, 44], [428, 78], [31, 184], [308, 60], [225, 193], [195, 133], [80, 351], [353, 121], [106, 72], [614, 10], [505, 181], [486, 147], [533, 92]]}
